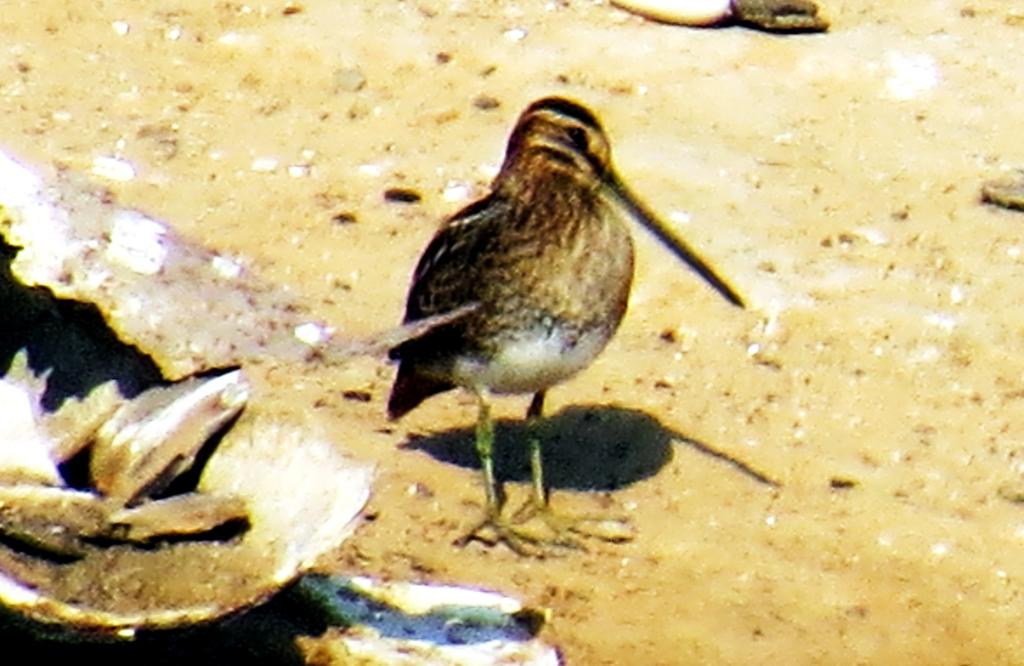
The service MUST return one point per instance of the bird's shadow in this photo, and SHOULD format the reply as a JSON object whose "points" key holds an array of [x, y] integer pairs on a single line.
{"points": [[599, 447]]}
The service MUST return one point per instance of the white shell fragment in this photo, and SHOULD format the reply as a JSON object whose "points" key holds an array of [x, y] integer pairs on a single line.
{"points": [[113, 168], [779, 16], [160, 432], [683, 12], [51, 521], [910, 75], [420, 599], [193, 513], [195, 316], [311, 333], [24, 452], [137, 242], [406, 624]]}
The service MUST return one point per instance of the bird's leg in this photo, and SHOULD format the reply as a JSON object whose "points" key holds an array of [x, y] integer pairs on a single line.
{"points": [[533, 415], [560, 528], [495, 528], [485, 452], [535, 529]]}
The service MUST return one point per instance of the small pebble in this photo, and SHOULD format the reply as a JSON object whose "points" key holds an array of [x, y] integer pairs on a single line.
{"points": [[910, 74], [349, 79], [357, 396], [137, 242], [455, 191], [486, 102], [264, 164], [419, 490], [311, 333], [226, 267], [1006, 193], [372, 170], [786, 16], [680, 217], [239, 40], [113, 168], [401, 195]]}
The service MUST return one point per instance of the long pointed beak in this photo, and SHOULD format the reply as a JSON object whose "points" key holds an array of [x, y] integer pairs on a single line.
{"points": [[669, 239]]}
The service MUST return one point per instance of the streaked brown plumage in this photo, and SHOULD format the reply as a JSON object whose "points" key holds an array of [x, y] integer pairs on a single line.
{"points": [[547, 260]]}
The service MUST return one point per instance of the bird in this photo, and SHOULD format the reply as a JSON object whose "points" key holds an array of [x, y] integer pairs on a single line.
{"points": [[543, 267]]}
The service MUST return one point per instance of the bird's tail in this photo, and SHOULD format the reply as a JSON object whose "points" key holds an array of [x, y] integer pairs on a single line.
{"points": [[410, 389]]}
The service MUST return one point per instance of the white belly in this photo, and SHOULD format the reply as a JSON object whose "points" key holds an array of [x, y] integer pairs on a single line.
{"points": [[533, 362]]}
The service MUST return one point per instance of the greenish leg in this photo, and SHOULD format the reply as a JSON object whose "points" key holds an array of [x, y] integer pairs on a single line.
{"points": [[561, 528], [485, 451], [494, 528], [533, 420], [535, 530]]}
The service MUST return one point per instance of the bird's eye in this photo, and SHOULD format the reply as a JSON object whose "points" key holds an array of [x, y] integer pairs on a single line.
{"points": [[579, 137]]}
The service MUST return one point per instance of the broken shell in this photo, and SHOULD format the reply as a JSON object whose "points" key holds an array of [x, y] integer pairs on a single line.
{"points": [[1006, 192], [770, 15], [394, 623], [69, 564], [683, 12], [74, 425], [158, 292], [51, 521], [194, 513], [301, 497], [779, 15], [158, 434], [24, 452]]}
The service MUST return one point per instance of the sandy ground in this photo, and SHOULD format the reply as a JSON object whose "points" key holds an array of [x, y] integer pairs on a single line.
{"points": [[877, 375]]}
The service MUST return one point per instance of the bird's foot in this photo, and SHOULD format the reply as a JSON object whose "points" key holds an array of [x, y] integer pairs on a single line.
{"points": [[615, 529], [526, 539], [537, 531]]}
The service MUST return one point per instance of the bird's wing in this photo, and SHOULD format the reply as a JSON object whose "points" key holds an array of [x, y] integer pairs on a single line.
{"points": [[440, 284]]}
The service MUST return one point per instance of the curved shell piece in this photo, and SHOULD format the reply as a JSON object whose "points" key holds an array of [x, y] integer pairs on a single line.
{"points": [[397, 623], [1005, 192], [160, 432], [263, 462], [24, 453], [682, 12], [154, 309], [188, 308]]}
